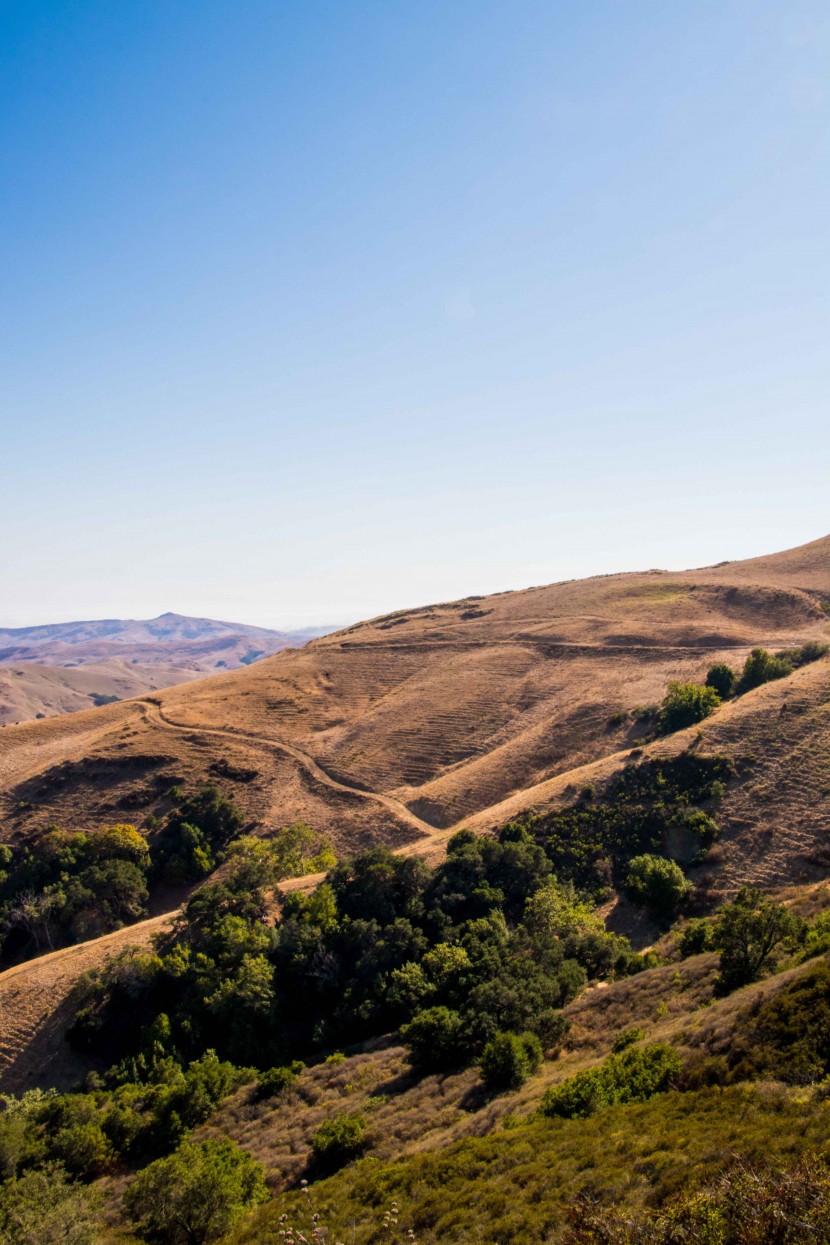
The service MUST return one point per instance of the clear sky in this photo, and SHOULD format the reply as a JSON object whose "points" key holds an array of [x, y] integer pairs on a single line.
{"points": [[311, 310]]}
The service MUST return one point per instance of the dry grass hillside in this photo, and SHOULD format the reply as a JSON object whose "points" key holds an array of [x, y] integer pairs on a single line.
{"points": [[413, 723]]}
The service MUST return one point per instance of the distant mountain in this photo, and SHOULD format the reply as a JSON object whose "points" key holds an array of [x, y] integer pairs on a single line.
{"points": [[62, 667]]}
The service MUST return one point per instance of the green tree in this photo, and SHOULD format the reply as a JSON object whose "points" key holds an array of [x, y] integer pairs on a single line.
{"points": [[434, 1039], [748, 932], [195, 1194], [83, 1148], [657, 883], [686, 703], [509, 1059], [42, 1207], [722, 678]]}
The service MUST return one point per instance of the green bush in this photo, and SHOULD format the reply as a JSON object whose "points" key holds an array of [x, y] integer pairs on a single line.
{"points": [[785, 1037], [84, 1149], [685, 704], [196, 1194], [635, 1075], [761, 667], [509, 1059], [626, 1038], [656, 883], [339, 1140], [722, 678], [697, 935], [277, 1080], [43, 1207]]}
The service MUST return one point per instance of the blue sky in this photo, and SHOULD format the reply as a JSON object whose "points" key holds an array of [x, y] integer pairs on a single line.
{"points": [[313, 310]]}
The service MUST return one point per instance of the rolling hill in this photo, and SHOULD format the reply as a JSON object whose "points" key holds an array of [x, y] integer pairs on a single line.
{"points": [[403, 727], [64, 667], [467, 714]]}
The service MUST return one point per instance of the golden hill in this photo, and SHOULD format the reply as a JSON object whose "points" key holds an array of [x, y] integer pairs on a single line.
{"points": [[413, 723]]}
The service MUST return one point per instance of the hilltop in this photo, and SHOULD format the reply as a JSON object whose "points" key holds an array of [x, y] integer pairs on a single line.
{"points": [[65, 667]]}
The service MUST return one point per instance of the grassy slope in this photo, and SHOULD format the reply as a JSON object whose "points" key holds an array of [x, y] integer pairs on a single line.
{"points": [[515, 1185], [467, 1167]]}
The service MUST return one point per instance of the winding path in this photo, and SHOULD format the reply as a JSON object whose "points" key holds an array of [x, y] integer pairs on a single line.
{"points": [[157, 717]]}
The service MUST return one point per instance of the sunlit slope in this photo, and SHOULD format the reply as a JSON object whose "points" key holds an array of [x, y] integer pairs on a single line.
{"points": [[446, 710]]}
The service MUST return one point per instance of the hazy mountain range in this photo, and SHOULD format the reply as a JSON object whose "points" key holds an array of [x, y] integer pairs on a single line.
{"points": [[63, 667]]}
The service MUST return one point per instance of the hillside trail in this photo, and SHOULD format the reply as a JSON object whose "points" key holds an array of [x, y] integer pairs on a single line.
{"points": [[156, 717]]}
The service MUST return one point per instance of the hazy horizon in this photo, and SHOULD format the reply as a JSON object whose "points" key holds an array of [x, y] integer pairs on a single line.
{"points": [[288, 623], [311, 313]]}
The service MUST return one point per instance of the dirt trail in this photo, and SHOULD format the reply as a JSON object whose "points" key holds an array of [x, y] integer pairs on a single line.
{"points": [[155, 715]]}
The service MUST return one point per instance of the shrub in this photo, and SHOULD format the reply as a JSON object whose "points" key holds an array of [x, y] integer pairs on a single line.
{"points": [[657, 883], [83, 1148], [276, 1080], [43, 1207], [786, 1037], [748, 932], [195, 1194], [802, 656], [434, 1039], [761, 667], [722, 678], [339, 1140], [509, 1059], [626, 1038], [685, 704], [635, 1075]]}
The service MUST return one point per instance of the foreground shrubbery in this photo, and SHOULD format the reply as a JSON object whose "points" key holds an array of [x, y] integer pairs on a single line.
{"points": [[43, 1207], [516, 1184], [196, 1194], [746, 1206]]}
